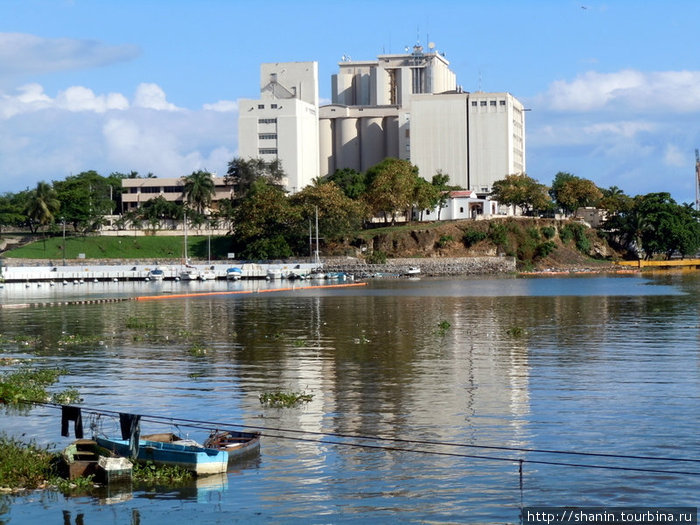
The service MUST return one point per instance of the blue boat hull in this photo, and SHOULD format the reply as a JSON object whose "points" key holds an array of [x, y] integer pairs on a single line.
{"points": [[200, 460]]}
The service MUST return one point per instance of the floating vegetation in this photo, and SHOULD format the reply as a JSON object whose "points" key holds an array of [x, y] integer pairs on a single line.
{"points": [[516, 331], [284, 399], [24, 340], [150, 473], [27, 384], [198, 350], [24, 465], [443, 327], [77, 339], [362, 340], [136, 323]]}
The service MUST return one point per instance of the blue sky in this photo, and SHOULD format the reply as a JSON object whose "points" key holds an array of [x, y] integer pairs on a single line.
{"points": [[151, 86]]}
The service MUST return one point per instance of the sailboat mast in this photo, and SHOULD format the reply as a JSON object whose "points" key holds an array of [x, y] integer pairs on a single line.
{"points": [[317, 258]]}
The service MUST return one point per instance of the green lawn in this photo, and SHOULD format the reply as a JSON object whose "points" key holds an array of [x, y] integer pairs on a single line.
{"points": [[122, 248]]}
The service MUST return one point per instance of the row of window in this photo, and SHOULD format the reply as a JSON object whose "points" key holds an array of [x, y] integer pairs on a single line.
{"points": [[267, 121], [267, 136], [262, 106], [267, 151], [484, 103], [158, 189]]}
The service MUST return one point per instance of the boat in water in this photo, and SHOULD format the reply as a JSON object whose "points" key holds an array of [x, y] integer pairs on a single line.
{"points": [[188, 273], [234, 274], [186, 454], [156, 274], [235, 444], [207, 275]]}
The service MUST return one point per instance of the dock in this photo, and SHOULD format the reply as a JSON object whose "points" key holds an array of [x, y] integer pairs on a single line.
{"points": [[690, 264]]}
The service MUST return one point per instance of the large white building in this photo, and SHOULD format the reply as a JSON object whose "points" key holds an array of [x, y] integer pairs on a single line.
{"points": [[406, 106], [283, 123]]}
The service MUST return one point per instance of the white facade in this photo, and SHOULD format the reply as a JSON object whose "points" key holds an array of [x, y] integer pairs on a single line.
{"points": [[283, 124], [460, 205], [475, 138]]}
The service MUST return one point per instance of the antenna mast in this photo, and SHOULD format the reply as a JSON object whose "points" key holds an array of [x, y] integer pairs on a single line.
{"points": [[697, 180]]}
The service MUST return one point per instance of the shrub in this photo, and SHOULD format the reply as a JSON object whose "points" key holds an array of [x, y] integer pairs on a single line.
{"points": [[549, 232], [444, 240], [544, 249], [471, 237], [576, 232], [498, 234], [376, 257]]}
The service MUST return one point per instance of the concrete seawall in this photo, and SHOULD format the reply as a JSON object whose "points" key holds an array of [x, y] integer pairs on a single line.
{"points": [[447, 266]]}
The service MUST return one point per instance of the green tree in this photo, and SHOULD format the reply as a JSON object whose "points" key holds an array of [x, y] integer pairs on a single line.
{"points": [[615, 201], [266, 225], [522, 191], [391, 185], [155, 211], [12, 209], [42, 207], [85, 199], [242, 174], [426, 196], [441, 183], [338, 214], [199, 190], [353, 183], [570, 192]]}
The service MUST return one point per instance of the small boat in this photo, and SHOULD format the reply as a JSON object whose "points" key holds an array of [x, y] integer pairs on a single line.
{"points": [[413, 270], [273, 273], [84, 457], [207, 275], [189, 273], [185, 454], [156, 274], [79, 459], [235, 444], [234, 274]]}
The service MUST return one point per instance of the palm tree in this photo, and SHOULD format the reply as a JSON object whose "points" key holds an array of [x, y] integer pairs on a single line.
{"points": [[43, 206], [199, 189]]}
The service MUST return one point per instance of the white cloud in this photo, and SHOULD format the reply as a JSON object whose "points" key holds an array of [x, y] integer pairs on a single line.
{"points": [[78, 98], [151, 96], [45, 138], [674, 91], [224, 106], [673, 156], [22, 54]]}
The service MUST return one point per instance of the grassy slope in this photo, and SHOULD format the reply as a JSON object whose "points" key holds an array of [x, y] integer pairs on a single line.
{"points": [[121, 247]]}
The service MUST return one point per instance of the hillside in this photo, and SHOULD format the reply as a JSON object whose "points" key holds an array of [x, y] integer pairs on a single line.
{"points": [[537, 243]]}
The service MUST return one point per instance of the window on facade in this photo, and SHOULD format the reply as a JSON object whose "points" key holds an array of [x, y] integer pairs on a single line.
{"points": [[461, 209], [151, 189], [492, 103], [267, 121], [267, 136], [173, 189], [502, 102], [483, 103], [474, 104], [267, 151], [261, 106], [273, 106]]}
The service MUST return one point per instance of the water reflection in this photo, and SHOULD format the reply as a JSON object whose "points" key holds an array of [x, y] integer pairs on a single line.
{"points": [[602, 364]]}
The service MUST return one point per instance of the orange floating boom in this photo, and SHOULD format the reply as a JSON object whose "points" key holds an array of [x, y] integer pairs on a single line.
{"points": [[204, 294]]}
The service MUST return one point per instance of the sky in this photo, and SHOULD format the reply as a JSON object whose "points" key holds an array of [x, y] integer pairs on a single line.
{"points": [[613, 87]]}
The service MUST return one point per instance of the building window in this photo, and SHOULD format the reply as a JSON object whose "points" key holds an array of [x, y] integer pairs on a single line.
{"points": [[461, 209], [483, 103], [267, 151], [261, 106], [173, 189], [474, 104], [267, 121], [493, 103], [267, 136], [151, 189], [273, 106], [502, 102]]}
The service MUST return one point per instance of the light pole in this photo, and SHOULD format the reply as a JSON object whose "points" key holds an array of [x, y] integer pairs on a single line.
{"points": [[63, 220]]}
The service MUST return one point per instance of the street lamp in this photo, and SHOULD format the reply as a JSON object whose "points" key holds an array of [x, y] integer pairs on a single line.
{"points": [[63, 220]]}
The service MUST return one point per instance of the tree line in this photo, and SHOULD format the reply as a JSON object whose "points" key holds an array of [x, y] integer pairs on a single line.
{"points": [[265, 222]]}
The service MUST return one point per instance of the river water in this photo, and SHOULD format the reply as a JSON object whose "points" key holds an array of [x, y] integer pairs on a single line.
{"points": [[589, 364]]}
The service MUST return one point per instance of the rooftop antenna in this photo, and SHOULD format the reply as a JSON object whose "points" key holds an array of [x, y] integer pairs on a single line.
{"points": [[697, 180]]}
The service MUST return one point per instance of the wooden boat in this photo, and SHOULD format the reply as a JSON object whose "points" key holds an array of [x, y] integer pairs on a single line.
{"points": [[79, 459], [185, 454], [235, 444]]}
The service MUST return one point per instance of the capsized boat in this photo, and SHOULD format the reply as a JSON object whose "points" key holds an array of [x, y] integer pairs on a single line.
{"points": [[186, 454]]}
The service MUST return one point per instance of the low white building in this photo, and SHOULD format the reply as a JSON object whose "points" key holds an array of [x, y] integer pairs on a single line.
{"points": [[463, 204]]}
